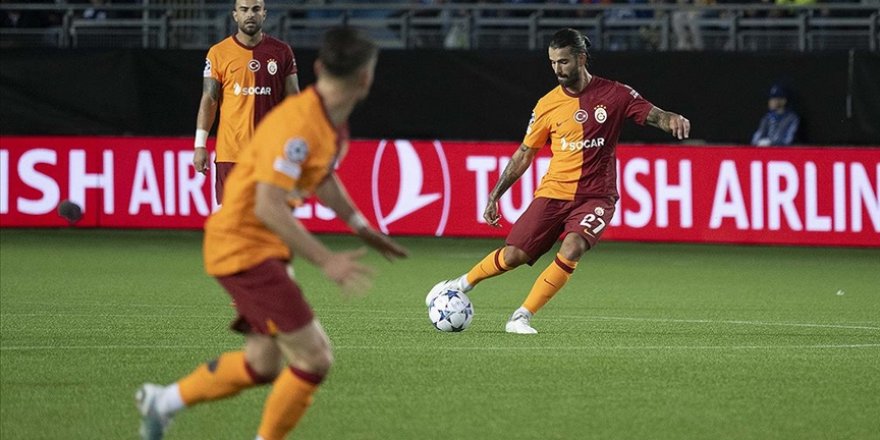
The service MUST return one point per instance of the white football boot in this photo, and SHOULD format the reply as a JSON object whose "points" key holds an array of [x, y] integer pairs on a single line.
{"points": [[153, 424], [442, 286], [519, 323]]}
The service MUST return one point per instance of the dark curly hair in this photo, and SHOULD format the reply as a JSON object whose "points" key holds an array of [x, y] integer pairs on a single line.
{"points": [[568, 37]]}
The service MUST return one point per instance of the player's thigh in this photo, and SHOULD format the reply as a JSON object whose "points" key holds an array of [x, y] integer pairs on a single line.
{"points": [[538, 228], [589, 218]]}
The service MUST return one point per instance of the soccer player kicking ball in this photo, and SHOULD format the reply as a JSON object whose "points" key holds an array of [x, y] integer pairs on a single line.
{"points": [[249, 241], [581, 119]]}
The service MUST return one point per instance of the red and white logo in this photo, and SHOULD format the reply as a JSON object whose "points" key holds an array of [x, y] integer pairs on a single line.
{"points": [[410, 177]]}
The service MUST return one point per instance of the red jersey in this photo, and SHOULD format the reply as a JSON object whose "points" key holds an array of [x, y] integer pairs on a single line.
{"points": [[583, 130]]}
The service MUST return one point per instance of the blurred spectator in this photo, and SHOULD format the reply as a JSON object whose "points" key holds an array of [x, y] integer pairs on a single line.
{"points": [[23, 19], [780, 124], [686, 25], [96, 11]]}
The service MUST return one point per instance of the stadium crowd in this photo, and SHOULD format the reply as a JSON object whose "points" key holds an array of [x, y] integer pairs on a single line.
{"points": [[98, 9]]}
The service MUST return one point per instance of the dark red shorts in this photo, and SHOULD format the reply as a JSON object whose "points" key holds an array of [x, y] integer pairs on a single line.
{"points": [[545, 220], [221, 171], [268, 301]]}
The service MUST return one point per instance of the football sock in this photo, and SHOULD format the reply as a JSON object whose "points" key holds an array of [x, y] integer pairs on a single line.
{"points": [[490, 266], [225, 376], [290, 397], [523, 311], [169, 402], [549, 282]]}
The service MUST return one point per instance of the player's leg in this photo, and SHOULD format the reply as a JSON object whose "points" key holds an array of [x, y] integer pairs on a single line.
{"points": [[557, 273], [310, 357], [496, 263], [532, 235], [230, 373], [584, 225], [224, 376]]}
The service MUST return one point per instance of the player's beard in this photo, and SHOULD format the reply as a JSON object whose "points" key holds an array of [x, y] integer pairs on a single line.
{"points": [[250, 29], [570, 80]]}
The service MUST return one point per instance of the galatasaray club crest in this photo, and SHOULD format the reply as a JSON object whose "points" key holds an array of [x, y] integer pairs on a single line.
{"points": [[272, 67], [599, 211], [600, 114]]}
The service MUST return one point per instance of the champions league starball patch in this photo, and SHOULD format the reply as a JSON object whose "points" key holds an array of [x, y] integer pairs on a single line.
{"points": [[296, 150]]}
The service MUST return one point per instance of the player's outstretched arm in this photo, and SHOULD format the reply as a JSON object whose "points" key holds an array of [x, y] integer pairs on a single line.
{"points": [[204, 122], [674, 123], [333, 194], [291, 85], [342, 268], [518, 165]]}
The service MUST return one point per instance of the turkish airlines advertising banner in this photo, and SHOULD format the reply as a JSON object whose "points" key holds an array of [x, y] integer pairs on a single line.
{"points": [[669, 193]]}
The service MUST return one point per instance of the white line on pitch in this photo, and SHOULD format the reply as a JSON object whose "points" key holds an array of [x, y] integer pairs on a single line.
{"points": [[713, 321]]}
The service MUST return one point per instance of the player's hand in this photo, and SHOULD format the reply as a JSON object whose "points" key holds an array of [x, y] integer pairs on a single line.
{"points": [[382, 243], [344, 269], [680, 127], [200, 160], [491, 214]]}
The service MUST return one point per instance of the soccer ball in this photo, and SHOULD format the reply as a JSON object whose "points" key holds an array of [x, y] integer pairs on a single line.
{"points": [[451, 311]]}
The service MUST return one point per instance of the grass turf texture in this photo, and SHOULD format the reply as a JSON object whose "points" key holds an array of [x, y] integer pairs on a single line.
{"points": [[652, 341]]}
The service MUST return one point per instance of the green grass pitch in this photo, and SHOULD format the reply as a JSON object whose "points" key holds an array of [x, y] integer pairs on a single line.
{"points": [[647, 341]]}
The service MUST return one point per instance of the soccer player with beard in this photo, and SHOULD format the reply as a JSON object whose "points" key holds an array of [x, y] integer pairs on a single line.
{"points": [[245, 75], [581, 119]]}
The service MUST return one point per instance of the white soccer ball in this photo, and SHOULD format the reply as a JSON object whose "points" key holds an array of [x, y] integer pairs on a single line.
{"points": [[451, 311]]}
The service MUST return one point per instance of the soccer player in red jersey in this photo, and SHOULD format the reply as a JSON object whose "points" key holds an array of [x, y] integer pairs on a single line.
{"points": [[581, 120], [249, 241], [245, 75]]}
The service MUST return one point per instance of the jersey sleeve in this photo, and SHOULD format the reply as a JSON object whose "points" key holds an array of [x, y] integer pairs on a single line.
{"points": [[539, 128], [290, 62], [637, 107], [281, 163], [213, 69]]}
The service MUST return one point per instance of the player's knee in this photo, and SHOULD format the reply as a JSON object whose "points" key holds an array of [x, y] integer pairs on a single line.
{"points": [[574, 247], [514, 257], [316, 361], [267, 368], [266, 361]]}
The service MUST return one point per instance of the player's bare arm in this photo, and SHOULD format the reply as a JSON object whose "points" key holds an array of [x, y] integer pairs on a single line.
{"points": [[674, 123], [291, 85], [342, 268], [333, 194], [518, 165], [204, 121]]}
